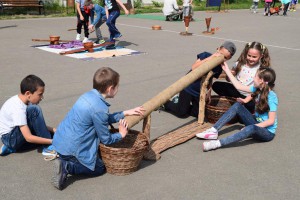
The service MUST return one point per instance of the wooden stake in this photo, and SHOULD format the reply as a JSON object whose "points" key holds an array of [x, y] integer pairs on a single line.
{"points": [[202, 99]]}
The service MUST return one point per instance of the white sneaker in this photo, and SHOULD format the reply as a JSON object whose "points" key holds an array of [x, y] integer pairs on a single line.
{"points": [[175, 98], [85, 40], [209, 134], [214, 144], [78, 37]]}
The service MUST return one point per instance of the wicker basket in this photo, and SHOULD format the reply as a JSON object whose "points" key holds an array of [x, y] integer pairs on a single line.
{"points": [[217, 107], [123, 158]]}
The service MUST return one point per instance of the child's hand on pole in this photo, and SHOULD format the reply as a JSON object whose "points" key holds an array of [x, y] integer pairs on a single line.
{"points": [[135, 111], [123, 125]]}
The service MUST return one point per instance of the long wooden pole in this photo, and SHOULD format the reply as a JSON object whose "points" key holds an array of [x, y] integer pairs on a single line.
{"points": [[176, 87]]}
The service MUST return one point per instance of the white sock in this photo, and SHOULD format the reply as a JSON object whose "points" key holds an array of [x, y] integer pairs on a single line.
{"points": [[218, 143]]}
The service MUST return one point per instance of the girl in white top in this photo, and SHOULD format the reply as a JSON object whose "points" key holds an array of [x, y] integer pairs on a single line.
{"points": [[254, 56]]}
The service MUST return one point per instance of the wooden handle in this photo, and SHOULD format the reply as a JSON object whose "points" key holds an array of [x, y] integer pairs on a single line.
{"points": [[64, 40], [40, 40], [72, 51]]}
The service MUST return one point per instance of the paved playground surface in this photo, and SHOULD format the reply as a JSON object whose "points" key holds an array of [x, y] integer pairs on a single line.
{"points": [[247, 170]]}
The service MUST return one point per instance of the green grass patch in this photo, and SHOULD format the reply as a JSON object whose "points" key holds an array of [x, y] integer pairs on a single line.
{"points": [[55, 10]]}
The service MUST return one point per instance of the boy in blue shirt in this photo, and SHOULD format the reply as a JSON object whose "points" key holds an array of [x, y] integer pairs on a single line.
{"points": [[100, 19], [21, 119], [86, 125]]}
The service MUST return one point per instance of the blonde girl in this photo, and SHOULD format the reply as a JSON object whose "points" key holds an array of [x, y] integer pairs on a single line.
{"points": [[254, 56]]}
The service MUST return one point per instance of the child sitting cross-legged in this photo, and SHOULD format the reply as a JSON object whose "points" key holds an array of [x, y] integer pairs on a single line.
{"points": [[86, 125]]}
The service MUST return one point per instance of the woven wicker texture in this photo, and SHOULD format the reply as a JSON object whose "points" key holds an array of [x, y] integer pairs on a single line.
{"points": [[217, 107], [124, 157]]}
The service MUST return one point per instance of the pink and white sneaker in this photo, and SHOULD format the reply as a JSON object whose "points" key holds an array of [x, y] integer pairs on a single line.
{"points": [[209, 134]]}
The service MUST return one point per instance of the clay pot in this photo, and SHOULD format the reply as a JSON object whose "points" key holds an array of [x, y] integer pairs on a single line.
{"points": [[213, 30], [89, 46], [187, 20], [156, 27], [54, 39]]}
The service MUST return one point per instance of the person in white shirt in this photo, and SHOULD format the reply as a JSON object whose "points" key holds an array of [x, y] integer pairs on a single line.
{"points": [[21, 119], [171, 10]]}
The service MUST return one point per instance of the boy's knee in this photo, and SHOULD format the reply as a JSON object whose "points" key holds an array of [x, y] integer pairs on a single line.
{"points": [[33, 109]]}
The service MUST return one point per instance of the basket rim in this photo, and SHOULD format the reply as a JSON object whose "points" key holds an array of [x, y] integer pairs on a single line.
{"points": [[116, 150], [230, 99]]}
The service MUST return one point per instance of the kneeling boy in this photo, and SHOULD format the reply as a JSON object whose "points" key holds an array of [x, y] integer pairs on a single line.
{"points": [[86, 125]]}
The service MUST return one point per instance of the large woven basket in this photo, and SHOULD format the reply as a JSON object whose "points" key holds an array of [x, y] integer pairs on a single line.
{"points": [[217, 107], [124, 157]]}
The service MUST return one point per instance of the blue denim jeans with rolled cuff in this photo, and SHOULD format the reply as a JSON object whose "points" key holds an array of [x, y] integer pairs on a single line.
{"points": [[248, 119], [111, 23], [36, 123], [74, 167]]}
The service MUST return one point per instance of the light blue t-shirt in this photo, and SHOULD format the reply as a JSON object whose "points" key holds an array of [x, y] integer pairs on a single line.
{"points": [[273, 104]]}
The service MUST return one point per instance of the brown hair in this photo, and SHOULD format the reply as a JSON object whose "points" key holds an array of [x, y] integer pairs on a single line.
{"points": [[104, 78], [265, 60], [31, 83], [268, 75], [88, 2]]}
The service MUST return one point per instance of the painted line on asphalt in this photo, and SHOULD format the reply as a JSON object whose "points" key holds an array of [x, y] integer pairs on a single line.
{"points": [[213, 37]]}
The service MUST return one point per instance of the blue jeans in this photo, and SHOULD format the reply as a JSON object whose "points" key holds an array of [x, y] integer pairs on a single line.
{"points": [[111, 23], [248, 119], [36, 123], [73, 166]]}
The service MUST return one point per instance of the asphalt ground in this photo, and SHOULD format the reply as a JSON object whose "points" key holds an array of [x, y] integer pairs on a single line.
{"points": [[246, 170]]}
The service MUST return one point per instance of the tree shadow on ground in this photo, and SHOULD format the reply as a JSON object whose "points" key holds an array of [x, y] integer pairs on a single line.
{"points": [[12, 26]]}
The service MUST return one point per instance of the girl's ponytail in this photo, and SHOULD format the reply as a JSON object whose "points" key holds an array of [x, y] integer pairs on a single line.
{"points": [[262, 105], [265, 60]]}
